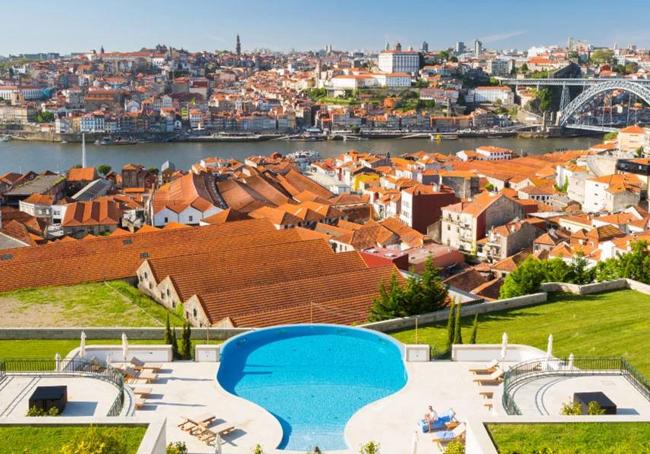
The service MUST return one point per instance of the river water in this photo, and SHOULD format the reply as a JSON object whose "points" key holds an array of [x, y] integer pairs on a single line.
{"points": [[19, 156]]}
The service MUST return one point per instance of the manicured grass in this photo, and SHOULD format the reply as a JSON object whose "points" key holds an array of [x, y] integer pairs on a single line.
{"points": [[47, 348], [49, 439], [106, 304], [606, 324], [577, 438]]}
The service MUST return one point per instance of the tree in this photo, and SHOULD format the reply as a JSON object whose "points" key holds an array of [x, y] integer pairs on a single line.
{"points": [[451, 325], [44, 117], [387, 305], [472, 339], [524, 280], [104, 169], [610, 135], [602, 56], [186, 341], [639, 152], [175, 353], [545, 99], [167, 340], [420, 294], [579, 272], [458, 337]]}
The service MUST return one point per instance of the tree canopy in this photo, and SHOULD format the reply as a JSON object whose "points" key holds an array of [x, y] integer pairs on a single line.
{"points": [[420, 294]]}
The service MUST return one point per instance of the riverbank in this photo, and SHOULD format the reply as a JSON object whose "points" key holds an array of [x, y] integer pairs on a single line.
{"points": [[20, 156]]}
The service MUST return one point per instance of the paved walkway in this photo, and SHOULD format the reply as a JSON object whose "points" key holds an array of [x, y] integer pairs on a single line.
{"points": [[545, 395], [86, 396], [186, 388], [190, 389]]}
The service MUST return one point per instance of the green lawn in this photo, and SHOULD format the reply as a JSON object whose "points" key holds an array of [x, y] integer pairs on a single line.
{"points": [[578, 438], [47, 348], [606, 324], [106, 304], [49, 439]]}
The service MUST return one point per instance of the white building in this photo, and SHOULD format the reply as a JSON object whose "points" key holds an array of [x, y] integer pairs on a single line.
{"points": [[490, 94], [393, 61], [611, 193]]}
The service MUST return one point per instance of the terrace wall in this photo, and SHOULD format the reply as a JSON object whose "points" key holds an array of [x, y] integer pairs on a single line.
{"points": [[114, 333]]}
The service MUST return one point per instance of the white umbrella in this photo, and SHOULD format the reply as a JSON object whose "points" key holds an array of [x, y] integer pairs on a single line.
{"points": [[82, 345], [125, 346], [57, 362], [504, 346], [217, 445], [414, 449], [549, 347], [571, 358]]}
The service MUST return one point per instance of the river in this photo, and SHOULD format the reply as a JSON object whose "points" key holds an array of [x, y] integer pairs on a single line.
{"points": [[20, 156]]}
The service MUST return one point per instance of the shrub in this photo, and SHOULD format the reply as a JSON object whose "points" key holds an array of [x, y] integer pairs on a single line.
{"points": [[258, 449], [95, 442], [371, 447], [455, 447], [571, 409], [594, 409], [35, 411], [178, 447], [451, 326], [458, 337]]}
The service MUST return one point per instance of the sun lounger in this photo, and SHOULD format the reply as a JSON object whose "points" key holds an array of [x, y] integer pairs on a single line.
{"points": [[141, 365], [193, 422], [445, 436], [493, 379], [208, 435], [439, 423], [147, 375], [139, 403], [142, 390], [489, 368]]}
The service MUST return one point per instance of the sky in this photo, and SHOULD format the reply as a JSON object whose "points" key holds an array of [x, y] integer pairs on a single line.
{"points": [[74, 26]]}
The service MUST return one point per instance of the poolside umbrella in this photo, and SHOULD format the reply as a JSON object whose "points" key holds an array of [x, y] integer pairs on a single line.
{"points": [[549, 347], [82, 345], [217, 445], [125, 346], [57, 362], [414, 449], [504, 346], [571, 358]]}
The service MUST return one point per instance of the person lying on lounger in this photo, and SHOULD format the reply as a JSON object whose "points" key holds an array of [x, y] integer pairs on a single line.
{"points": [[430, 417]]}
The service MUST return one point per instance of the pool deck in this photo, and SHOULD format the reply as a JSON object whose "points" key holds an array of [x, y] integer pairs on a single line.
{"points": [[86, 396], [188, 388]]}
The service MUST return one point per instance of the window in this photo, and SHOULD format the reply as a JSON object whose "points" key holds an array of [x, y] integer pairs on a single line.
{"points": [[194, 312], [168, 292], [191, 218], [166, 220]]}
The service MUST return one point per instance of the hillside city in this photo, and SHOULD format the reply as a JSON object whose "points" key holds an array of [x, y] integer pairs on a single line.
{"points": [[358, 302]]}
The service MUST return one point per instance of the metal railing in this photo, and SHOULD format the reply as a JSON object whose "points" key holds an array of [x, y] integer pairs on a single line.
{"points": [[572, 366], [93, 368]]}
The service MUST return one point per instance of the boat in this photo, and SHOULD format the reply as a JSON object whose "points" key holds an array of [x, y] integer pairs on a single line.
{"points": [[5, 138]]}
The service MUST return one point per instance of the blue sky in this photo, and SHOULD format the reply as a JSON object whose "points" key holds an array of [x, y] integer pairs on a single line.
{"points": [[73, 25]]}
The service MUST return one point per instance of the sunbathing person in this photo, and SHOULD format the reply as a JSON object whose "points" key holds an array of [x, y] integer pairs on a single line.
{"points": [[430, 417]]}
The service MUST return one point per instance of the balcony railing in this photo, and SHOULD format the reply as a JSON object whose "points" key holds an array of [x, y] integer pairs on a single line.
{"points": [[74, 367], [530, 370]]}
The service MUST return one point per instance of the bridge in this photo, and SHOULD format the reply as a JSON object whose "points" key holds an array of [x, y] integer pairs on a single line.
{"points": [[592, 88]]}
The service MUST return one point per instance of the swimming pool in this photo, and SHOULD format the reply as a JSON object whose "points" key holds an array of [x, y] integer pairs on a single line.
{"points": [[312, 378]]}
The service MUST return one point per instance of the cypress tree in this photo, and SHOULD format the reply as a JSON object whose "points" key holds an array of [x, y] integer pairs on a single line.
{"points": [[186, 342], [472, 339], [450, 325], [174, 344], [458, 338], [168, 333]]}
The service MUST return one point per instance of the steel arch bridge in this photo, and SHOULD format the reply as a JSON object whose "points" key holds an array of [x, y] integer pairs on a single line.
{"points": [[638, 89]]}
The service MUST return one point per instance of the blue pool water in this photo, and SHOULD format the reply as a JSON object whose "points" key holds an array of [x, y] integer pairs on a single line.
{"points": [[312, 378]]}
